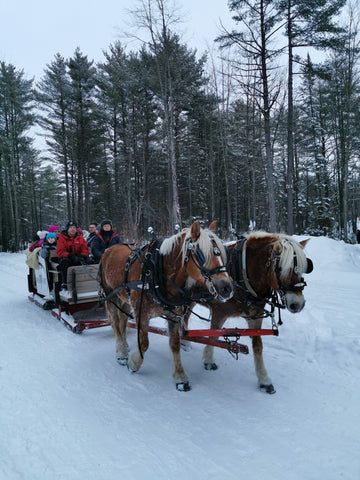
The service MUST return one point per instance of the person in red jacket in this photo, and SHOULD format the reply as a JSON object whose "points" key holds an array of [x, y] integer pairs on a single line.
{"points": [[71, 250]]}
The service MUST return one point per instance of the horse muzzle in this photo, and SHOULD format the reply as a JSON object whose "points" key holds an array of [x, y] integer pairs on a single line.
{"points": [[223, 289], [295, 302]]}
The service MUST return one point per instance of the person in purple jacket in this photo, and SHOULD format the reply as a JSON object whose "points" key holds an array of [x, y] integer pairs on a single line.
{"points": [[105, 238]]}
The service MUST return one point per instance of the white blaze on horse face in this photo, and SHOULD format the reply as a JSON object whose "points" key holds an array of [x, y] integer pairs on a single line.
{"points": [[220, 284], [190, 282], [295, 302]]}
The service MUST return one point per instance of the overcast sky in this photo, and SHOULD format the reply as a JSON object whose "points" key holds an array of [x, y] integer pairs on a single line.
{"points": [[33, 31]]}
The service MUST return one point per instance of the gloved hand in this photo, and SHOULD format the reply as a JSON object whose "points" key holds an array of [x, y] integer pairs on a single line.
{"points": [[74, 259], [83, 258]]}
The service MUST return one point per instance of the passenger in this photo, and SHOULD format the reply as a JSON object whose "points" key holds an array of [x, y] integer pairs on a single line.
{"points": [[49, 244], [71, 250], [92, 233], [55, 229], [104, 239], [38, 243]]}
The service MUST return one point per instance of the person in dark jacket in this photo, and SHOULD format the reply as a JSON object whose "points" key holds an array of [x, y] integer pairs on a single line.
{"points": [[71, 250], [92, 234], [105, 238]]}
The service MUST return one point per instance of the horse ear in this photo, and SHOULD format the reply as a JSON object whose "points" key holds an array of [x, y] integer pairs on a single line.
{"points": [[304, 242], [277, 247], [195, 231], [213, 226]]}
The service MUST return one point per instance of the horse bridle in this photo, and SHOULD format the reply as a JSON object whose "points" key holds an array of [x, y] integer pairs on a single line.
{"points": [[294, 287], [198, 257]]}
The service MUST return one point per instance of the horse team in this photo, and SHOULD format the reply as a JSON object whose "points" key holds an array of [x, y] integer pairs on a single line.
{"points": [[168, 277]]}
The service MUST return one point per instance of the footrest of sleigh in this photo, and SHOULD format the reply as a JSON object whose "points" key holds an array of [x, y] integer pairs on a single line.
{"points": [[81, 325], [78, 326]]}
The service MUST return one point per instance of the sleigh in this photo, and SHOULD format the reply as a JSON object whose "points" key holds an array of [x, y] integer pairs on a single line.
{"points": [[75, 306]]}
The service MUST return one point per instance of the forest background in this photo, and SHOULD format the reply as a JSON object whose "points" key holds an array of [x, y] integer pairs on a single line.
{"points": [[256, 134]]}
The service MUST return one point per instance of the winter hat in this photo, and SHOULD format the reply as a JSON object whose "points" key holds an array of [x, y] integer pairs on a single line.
{"points": [[106, 222], [70, 224], [41, 234], [50, 235], [53, 228]]}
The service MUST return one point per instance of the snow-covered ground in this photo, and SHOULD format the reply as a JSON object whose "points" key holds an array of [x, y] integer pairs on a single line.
{"points": [[68, 411]]}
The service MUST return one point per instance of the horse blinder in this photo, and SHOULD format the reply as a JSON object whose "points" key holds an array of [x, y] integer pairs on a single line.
{"points": [[199, 259], [299, 287], [310, 266]]}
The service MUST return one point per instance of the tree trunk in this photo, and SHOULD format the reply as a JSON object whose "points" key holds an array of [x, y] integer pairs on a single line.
{"points": [[290, 131]]}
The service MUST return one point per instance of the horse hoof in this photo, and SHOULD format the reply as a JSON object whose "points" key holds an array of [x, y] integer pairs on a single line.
{"points": [[130, 368], [122, 360], [185, 346], [268, 388], [210, 366], [183, 386]]}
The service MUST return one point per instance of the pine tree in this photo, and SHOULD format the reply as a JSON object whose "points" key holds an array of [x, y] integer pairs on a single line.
{"points": [[53, 96], [16, 118], [85, 135], [308, 23], [258, 21]]}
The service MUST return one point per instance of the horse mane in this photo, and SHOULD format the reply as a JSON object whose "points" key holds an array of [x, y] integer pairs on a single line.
{"points": [[204, 242], [289, 247]]}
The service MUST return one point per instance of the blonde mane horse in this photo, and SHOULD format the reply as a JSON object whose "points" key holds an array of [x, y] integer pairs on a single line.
{"points": [[261, 265], [193, 258]]}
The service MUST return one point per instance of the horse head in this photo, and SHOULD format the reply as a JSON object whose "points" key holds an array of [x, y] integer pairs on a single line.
{"points": [[290, 263], [203, 260]]}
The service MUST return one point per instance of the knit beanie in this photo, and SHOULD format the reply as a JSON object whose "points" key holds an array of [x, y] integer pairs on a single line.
{"points": [[106, 222], [50, 235], [53, 228], [70, 224]]}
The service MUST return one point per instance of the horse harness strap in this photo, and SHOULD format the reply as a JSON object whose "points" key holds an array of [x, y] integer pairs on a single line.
{"points": [[241, 267], [152, 273]]}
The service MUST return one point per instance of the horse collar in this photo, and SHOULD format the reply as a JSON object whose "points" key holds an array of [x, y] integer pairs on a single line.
{"points": [[240, 265]]}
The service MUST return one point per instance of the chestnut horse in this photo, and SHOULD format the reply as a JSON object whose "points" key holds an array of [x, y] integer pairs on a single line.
{"points": [[158, 281], [265, 267]]}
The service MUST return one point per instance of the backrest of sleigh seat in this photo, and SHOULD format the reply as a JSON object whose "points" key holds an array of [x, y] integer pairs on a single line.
{"points": [[83, 279], [52, 264]]}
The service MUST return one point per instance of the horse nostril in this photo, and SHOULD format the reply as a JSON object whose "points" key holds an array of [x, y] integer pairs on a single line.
{"points": [[294, 307], [227, 291]]}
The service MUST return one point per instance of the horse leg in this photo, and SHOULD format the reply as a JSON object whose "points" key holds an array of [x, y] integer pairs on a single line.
{"points": [[217, 321], [137, 357], [118, 320], [185, 344], [264, 380], [179, 375]]}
